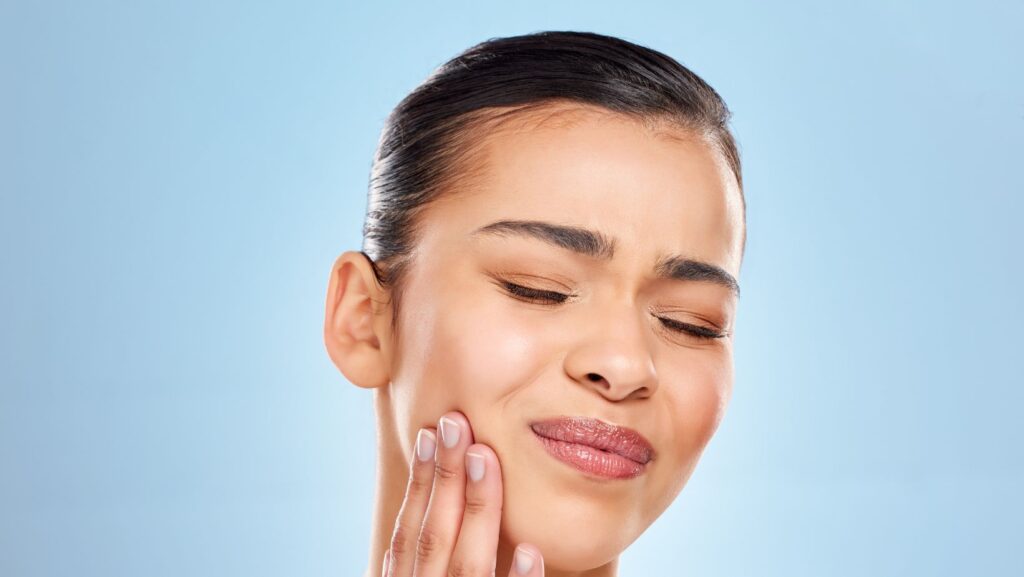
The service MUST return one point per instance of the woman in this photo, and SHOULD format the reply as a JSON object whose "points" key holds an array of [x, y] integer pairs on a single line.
{"points": [[543, 305]]}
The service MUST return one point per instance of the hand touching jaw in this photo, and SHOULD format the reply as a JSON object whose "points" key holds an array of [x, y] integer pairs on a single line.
{"points": [[449, 522]]}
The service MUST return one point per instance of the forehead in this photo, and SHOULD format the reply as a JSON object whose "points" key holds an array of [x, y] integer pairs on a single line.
{"points": [[654, 187]]}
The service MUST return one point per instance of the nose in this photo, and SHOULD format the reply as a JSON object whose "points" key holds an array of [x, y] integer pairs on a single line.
{"points": [[614, 358]]}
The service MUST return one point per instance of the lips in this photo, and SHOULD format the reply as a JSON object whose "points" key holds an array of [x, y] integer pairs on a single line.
{"points": [[597, 434]]}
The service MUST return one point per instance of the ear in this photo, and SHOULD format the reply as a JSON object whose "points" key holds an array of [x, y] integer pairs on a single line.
{"points": [[357, 321]]}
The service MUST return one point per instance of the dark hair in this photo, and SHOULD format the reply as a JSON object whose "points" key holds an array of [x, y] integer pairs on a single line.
{"points": [[425, 148]]}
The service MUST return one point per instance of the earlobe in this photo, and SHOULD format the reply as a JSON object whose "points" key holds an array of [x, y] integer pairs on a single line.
{"points": [[354, 323]]}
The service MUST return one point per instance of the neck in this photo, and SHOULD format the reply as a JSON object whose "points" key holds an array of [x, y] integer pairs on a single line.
{"points": [[392, 477]]}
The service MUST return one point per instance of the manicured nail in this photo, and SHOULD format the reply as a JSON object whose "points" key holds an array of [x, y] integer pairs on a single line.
{"points": [[449, 432], [524, 561], [386, 563], [475, 466], [425, 445]]}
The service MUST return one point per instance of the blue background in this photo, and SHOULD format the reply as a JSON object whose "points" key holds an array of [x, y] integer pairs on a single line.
{"points": [[178, 177]]}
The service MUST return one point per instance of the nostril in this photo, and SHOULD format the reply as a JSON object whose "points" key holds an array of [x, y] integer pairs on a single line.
{"points": [[594, 377]]}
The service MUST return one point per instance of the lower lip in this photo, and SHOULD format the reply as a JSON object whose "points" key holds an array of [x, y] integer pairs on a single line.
{"points": [[592, 460]]}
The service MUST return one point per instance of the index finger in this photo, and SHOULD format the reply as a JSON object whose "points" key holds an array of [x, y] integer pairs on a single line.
{"points": [[443, 518]]}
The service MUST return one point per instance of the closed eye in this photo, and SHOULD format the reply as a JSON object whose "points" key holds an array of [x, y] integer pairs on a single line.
{"points": [[553, 298], [698, 331], [534, 295]]}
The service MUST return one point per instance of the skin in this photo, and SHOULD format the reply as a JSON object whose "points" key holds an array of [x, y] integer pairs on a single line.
{"points": [[470, 350]]}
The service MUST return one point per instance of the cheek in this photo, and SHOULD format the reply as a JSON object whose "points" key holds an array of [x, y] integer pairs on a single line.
{"points": [[692, 403], [482, 352], [700, 405], [695, 410], [473, 355]]}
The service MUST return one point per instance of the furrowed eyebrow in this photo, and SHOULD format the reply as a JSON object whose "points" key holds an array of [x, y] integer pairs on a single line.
{"points": [[579, 240], [597, 245], [677, 267]]}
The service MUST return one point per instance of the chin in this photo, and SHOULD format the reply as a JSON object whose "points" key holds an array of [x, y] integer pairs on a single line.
{"points": [[572, 534]]}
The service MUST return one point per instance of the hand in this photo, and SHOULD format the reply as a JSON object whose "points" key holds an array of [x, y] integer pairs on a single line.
{"points": [[448, 524]]}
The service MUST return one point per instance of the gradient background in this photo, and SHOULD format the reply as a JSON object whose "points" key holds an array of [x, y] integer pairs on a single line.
{"points": [[178, 177]]}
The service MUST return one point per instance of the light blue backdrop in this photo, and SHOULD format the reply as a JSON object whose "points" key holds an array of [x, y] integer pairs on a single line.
{"points": [[178, 177]]}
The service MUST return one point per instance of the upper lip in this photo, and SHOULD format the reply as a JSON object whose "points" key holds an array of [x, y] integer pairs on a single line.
{"points": [[598, 434]]}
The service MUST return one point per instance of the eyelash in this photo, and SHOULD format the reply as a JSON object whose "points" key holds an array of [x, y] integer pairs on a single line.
{"points": [[554, 298]]}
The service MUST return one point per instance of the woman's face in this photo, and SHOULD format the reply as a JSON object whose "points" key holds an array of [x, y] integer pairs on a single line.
{"points": [[466, 343]]}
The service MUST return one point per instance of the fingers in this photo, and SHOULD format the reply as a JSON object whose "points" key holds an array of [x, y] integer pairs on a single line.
{"points": [[450, 519], [443, 518], [402, 555], [475, 551], [527, 562]]}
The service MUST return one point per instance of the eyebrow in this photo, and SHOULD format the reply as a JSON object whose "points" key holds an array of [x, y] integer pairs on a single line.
{"points": [[597, 245]]}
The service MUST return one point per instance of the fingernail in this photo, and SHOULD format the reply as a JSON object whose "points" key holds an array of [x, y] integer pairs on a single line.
{"points": [[386, 563], [523, 561], [425, 445], [449, 432], [475, 466]]}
